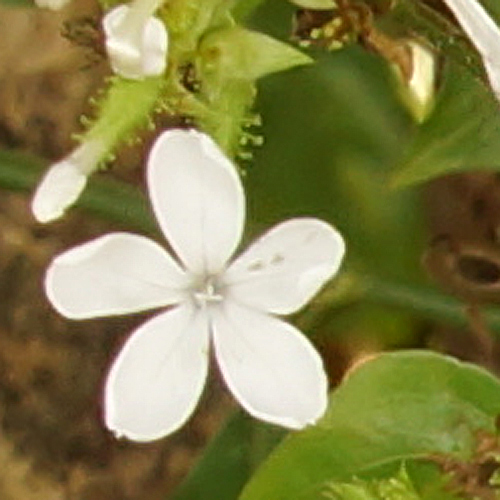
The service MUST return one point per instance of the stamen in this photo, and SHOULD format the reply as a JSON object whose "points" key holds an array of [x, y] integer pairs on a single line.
{"points": [[207, 292]]}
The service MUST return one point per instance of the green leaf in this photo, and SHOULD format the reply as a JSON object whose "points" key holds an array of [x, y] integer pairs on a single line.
{"points": [[243, 8], [229, 460], [463, 132], [242, 54], [332, 131], [407, 407], [398, 487]]}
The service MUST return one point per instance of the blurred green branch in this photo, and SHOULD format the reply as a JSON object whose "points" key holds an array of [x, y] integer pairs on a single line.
{"points": [[425, 300], [121, 203], [108, 198]]}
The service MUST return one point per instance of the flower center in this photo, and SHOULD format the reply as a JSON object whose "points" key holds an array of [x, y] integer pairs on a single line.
{"points": [[207, 290]]}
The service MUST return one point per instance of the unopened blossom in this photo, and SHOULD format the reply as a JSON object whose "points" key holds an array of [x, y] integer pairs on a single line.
{"points": [[216, 302], [422, 80], [64, 181], [136, 41], [483, 33]]}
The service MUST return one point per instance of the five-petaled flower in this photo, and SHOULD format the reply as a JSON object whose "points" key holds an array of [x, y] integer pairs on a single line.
{"points": [[136, 41], [217, 302]]}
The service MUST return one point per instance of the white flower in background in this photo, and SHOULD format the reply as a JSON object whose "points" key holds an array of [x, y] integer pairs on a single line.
{"points": [[136, 41], [424, 72], [220, 304], [64, 181], [484, 34], [51, 4]]}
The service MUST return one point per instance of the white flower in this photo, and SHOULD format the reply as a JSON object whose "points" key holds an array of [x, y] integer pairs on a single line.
{"points": [[136, 42], [220, 304], [484, 34], [64, 182]]}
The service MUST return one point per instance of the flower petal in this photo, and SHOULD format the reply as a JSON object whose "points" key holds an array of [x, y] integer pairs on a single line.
{"points": [[197, 198], [137, 47], [65, 180], [59, 189], [156, 380], [114, 274], [285, 268], [483, 33], [270, 367]]}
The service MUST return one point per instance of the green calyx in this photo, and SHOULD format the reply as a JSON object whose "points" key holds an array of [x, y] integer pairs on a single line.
{"points": [[210, 81], [125, 107]]}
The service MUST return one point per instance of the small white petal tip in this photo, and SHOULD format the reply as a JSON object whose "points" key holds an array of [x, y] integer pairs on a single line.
{"points": [[136, 48], [59, 189]]}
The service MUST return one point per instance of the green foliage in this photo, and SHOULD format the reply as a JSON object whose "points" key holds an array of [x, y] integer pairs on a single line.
{"points": [[229, 62], [214, 64], [241, 54], [332, 134], [329, 155], [398, 487], [417, 408], [229, 460], [241, 9], [462, 133]]}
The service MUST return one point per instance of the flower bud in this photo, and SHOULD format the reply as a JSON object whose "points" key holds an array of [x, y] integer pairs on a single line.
{"points": [[64, 182], [136, 42], [420, 88]]}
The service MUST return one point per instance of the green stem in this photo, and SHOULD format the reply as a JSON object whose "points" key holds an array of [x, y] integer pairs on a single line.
{"points": [[426, 301], [124, 204], [107, 198]]}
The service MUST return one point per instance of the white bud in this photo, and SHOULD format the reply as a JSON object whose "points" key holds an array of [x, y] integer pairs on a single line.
{"points": [[136, 42], [421, 84], [64, 182]]}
